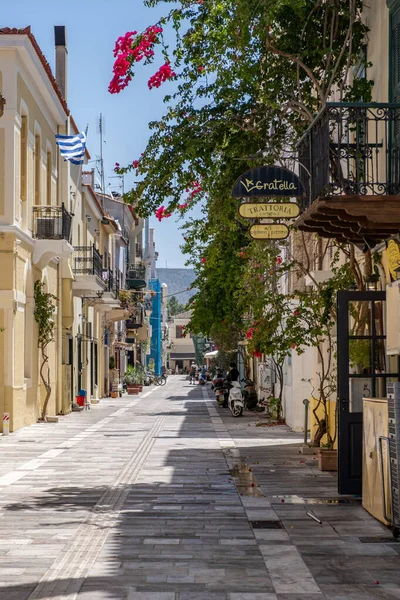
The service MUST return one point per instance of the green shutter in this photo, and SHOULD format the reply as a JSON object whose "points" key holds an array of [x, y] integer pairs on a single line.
{"points": [[394, 56]]}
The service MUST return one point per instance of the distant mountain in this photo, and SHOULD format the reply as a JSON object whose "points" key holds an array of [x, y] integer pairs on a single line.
{"points": [[178, 280]]}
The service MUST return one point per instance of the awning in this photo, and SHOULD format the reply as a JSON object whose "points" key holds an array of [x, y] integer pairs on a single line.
{"points": [[182, 356], [124, 345], [212, 354]]}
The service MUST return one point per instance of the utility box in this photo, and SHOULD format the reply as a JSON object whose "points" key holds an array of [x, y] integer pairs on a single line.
{"points": [[376, 491], [393, 319]]}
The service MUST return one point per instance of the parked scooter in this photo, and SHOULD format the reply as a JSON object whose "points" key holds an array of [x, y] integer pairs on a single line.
{"points": [[148, 378], [235, 399], [218, 387]]}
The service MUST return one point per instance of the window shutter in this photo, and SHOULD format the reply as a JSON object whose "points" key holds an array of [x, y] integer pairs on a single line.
{"points": [[24, 148]]}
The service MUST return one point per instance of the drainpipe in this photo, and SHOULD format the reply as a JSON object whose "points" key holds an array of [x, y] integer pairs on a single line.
{"points": [[59, 367]]}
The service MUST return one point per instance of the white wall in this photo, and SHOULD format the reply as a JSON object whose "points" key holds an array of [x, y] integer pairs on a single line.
{"points": [[295, 390]]}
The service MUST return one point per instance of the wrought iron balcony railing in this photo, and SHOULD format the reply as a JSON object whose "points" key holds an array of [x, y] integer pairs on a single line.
{"points": [[135, 322], [51, 223], [136, 272], [111, 281], [87, 261], [351, 149]]}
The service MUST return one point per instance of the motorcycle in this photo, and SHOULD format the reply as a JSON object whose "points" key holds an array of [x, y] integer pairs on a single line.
{"points": [[219, 392], [148, 378], [235, 399]]}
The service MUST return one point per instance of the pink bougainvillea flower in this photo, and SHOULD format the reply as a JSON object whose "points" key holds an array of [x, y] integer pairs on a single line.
{"points": [[279, 260], [201, 69], [183, 206], [249, 333], [161, 213], [128, 49], [204, 260], [296, 312], [242, 254], [135, 164], [257, 354], [163, 74], [293, 346]]}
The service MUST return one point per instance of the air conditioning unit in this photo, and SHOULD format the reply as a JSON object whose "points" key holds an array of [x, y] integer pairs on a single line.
{"points": [[393, 395]]}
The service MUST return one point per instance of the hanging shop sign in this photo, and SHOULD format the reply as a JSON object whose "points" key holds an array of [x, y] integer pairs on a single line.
{"points": [[393, 257], [274, 210], [271, 231], [261, 182]]}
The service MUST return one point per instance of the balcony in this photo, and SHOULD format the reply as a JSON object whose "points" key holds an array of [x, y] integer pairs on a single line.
{"points": [[111, 282], [138, 251], [134, 323], [51, 228], [135, 277], [350, 167], [88, 270]]}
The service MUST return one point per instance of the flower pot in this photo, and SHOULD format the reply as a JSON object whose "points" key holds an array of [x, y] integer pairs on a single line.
{"points": [[327, 460], [133, 389]]}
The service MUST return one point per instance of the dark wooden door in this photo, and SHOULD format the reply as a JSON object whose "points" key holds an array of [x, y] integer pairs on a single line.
{"points": [[363, 370]]}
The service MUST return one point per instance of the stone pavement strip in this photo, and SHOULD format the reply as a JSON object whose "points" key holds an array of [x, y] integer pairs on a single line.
{"points": [[166, 497]]}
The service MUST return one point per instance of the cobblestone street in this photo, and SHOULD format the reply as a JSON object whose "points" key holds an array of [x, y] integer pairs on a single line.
{"points": [[164, 497]]}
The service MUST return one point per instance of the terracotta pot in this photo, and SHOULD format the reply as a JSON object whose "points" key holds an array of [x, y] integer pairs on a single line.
{"points": [[327, 460], [133, 389]]}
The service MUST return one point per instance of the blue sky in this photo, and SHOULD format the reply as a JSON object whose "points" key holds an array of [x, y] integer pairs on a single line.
{"points": [[92, 28]]}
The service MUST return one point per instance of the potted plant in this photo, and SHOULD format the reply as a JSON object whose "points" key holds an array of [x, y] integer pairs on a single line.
{"points": [[132, 380], [327, 459]]}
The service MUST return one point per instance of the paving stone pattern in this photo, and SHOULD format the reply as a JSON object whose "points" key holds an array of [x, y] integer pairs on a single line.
{"points": [[153, 498]]}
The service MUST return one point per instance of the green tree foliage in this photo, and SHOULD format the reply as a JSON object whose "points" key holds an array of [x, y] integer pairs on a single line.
{"points": [[174, 306], [44, 313], [250, 78]]}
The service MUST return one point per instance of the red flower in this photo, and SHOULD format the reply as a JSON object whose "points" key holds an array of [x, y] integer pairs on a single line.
{"points": [[128, 49], [249, 333], [183, 206], [163, 74], [293, 346], [296, 312], [241, 254], [279, 260], [201, 69], [204, 260], [257, 354], [161, 213], [135, 164]]}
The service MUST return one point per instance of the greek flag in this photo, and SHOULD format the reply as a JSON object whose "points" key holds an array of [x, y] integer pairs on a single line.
{"points": [[72, 147]]}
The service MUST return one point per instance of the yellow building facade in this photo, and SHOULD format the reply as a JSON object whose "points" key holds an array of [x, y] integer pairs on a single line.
{"points": [[57, 229]]}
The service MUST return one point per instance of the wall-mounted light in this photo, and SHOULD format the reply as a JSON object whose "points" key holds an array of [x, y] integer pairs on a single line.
{"points": [[89, 218], [372, 282], [2, 104], [96, 232]]}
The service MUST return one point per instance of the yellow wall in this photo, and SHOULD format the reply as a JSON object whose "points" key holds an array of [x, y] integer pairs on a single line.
{"points": [[331, 409]]}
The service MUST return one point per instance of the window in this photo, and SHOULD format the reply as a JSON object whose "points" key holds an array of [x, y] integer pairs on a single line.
{"points": [[49, 173], [24, 151], [37, 169]]}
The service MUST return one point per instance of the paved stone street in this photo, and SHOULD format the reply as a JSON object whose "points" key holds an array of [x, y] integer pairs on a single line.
{"points": [[166, 497]]}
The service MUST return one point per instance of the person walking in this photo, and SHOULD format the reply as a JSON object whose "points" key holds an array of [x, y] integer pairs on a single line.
{"points": [[192, 374]]}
